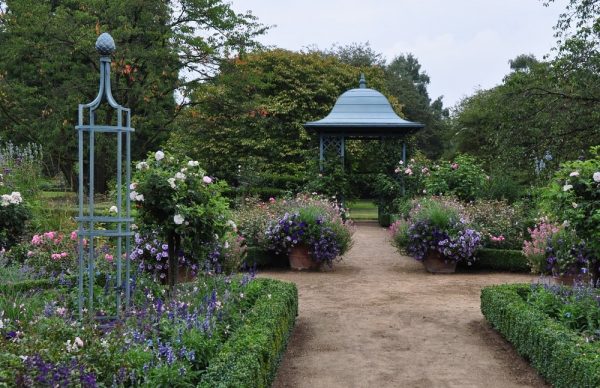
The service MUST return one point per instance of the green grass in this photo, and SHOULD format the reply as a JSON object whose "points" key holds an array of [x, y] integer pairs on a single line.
{"points": [[362, 210]]}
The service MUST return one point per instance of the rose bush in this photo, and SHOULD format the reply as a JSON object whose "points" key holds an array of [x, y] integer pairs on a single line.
{"points": [[178, 200]]}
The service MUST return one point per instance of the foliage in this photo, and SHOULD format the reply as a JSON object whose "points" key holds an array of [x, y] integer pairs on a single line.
{"points": [[535, 250], [561, 356], [13, 217], [463, 178], [48, 67], [176, 198], [500, 223], [251, 356], [437, 226], [574, 196], [163, 341]]}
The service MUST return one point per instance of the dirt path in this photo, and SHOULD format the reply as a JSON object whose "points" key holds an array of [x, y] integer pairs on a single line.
{"points": [[379, 320]]}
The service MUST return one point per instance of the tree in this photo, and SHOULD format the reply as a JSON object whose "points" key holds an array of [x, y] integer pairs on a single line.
{"points": [[408, 83], [252, 114], [48, 66]]}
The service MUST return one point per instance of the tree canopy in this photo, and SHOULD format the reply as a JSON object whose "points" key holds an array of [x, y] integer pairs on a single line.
{"points": [[48, 65]]}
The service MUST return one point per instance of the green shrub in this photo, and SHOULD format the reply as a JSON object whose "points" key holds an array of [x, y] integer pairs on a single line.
{"points": [[251, 356], [501, 260], [463, 178], [563, 357]]}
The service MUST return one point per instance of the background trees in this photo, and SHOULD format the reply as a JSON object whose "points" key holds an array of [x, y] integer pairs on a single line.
{"points": [[48, 65]]}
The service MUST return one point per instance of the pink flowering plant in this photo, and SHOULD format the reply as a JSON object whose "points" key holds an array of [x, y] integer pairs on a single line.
{"points": [[463, 177], [176, 198], [573, 198], [536, 247]]}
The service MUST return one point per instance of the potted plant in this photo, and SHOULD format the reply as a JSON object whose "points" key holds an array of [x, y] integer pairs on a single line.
{"points": [[436, 235], [311, 235]]}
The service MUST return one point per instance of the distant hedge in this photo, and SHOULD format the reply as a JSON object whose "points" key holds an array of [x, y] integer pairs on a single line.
{"points": [[251, 356], [500, 260], [561, 356]]}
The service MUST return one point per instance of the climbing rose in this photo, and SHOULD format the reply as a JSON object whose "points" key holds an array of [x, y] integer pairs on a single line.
{"points": [[574, 173], [178, 219], [207, 179], [597, 176], [159, 155]]}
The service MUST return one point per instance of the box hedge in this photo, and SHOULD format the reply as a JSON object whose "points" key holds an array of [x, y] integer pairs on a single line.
{"points": [[500, 260], [560, 355], [252, 354]]}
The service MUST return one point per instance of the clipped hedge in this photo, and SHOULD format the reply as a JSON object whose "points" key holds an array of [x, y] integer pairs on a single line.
{"points": [[561, 356], [38, 284], [251, 356], [500, 260]]}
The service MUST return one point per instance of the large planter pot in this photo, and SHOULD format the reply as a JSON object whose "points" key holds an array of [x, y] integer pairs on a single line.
{"points": [[435, 262], [300, 259]]}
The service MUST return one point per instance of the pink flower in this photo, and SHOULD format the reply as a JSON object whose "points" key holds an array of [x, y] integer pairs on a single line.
{"points": [[55, 256], [207, 179], [30, 253], [108, 257], [36, 239], [454, 166], [74, 235], [408, 171], [64, 254], [49, 235], [272, 200]]}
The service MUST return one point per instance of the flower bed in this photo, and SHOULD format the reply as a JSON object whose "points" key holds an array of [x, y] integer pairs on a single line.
{"points": [[192, 338], [566, 357]]}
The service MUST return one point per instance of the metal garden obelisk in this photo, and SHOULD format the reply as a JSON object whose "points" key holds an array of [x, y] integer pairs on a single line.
{"points": [[114, 228]]}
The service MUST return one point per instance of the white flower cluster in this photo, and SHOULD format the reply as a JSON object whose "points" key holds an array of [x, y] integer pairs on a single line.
{"points": [[193, 163], [142, 166], [11, 199], [75, 346], [178, 219]]}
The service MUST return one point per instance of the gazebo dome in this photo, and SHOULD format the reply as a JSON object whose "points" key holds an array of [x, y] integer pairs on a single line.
{"points": [[363, 111]]}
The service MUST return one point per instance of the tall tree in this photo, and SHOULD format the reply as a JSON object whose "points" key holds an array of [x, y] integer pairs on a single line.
{"points": [[252, 113], [48, 66], [408, 83]]}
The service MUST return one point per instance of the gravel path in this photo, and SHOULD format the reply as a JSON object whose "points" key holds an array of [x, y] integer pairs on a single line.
{"points": [[379, 320]]}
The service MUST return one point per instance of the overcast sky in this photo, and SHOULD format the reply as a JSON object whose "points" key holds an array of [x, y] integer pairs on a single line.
{"points": [[463, 45]]}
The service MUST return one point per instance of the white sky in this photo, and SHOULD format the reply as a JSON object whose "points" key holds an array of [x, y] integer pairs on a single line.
{"points": [[463, 45]]}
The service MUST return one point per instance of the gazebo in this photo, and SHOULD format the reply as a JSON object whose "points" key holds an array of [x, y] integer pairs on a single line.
{"points": [[360, 113]]}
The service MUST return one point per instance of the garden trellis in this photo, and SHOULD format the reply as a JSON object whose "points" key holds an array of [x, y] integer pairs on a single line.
{"points": [[91, 225]]}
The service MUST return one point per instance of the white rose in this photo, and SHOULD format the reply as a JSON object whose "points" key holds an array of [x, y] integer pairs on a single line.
{"points": [[113, 209], [207, 179], [139, 197], [159, 155], [79, 342], [193, 163], [5, 200], [142, 166], [132, 195], [574, 173], [596, 176], [172, 182], [133, 186], [178, 219], [567, 187], [180, 176], [15, 198]]}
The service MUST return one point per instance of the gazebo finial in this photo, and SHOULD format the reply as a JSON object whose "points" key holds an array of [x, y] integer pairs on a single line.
{"points": [[363, 82]]}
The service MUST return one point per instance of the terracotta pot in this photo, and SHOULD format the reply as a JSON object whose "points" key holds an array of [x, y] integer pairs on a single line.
{"points": [[434, 262], [300, 260], [570, 279]]}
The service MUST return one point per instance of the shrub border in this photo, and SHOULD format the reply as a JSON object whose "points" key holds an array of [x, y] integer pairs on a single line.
{"points": [[561, 356], [251, 356]]}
